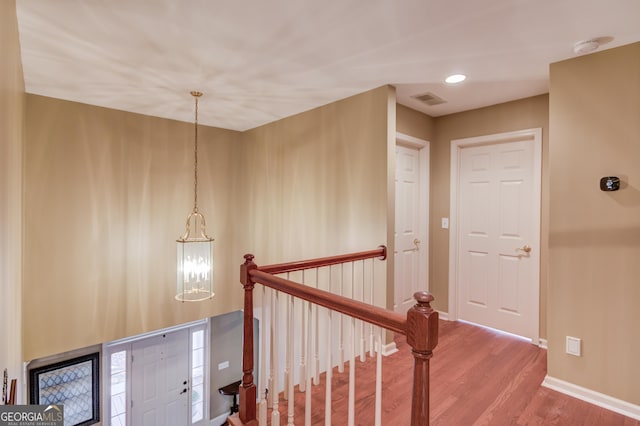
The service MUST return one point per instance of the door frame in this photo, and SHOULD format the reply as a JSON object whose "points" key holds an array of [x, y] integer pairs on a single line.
{"points": [[126, 344], [533, 135], [423, 147]]}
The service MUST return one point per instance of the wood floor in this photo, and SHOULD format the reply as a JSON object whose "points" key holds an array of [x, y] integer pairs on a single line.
{"points": [[478, 377]]}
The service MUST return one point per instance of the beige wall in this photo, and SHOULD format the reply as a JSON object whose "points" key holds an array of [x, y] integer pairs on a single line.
{"points": [[11, 144], [594, 242], [414, 123], [106, 195], [317, 182]]}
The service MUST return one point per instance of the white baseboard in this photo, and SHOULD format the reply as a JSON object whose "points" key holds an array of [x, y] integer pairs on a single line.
{"points": [[542, 343], [218, 421], [389, 349], [596, 398]]}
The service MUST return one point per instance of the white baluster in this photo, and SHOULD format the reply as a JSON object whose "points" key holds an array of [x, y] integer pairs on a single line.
{"points": [[352, 375], [341, 328], [307, 378], [288, 347], [271, 330], [316, 346], [275, 361], [262, 413], [363, 340], [371, 330], [378, 420], [290, 411], [329, 373], [303, 346]]}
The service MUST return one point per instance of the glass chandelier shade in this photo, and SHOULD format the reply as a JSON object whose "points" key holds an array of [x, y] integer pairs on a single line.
{"points": [[195, 247]]}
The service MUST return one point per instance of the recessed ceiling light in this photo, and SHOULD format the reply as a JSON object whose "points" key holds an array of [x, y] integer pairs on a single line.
{"points": [[455, 78]]}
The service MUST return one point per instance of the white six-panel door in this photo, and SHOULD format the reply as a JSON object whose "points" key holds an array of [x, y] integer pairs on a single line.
{"points": [[411, 221], [497, 227], [160, 380]]}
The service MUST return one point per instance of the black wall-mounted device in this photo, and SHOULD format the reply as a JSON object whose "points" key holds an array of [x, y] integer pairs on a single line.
{"points": [[610, 183]]}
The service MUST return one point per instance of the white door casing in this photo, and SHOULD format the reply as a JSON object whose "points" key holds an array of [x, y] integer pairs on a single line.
{"points": [[494, 262], [411, 253], [161, 380]]}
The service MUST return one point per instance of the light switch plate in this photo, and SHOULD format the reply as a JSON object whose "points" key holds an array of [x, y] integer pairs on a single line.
{"points": [[445, 223]]}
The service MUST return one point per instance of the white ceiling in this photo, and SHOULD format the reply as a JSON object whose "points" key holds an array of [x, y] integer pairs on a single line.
{"points": [[259, 61]]}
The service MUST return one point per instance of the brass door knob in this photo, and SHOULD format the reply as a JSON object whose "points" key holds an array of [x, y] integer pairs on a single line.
{"points": [[525, 248]]}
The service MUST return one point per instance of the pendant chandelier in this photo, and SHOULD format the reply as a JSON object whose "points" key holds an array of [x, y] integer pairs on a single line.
{"points": [[195, 247]]}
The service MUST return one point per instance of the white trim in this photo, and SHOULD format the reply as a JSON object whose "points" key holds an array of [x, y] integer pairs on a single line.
{"points": [[126, 344], [206, 402], [424, 155], [408, 140], [220, 420], [542, 344], [156, 332], [389, 349], [596, 398], [25, 390], [107, 351], [535, 136]]}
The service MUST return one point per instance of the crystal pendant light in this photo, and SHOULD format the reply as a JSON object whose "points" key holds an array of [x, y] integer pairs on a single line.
{"points": [[195, 247]]}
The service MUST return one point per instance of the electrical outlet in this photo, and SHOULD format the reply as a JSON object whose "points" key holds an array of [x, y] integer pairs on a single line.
{"points": [[445, 223], [223, 365], [574, 346]]}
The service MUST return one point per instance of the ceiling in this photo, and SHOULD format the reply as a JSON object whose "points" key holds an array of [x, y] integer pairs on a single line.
{"points": [[259, 61]]}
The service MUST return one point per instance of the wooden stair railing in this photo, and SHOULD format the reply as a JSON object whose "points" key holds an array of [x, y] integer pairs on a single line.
{"points": [[420, 326]]}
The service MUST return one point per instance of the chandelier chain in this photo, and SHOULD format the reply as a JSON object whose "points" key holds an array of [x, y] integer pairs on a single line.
{"points": [[196, 95]]}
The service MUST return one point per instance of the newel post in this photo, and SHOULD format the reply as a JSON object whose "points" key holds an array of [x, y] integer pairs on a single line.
{"points": [[247, 395], [422, 336]]}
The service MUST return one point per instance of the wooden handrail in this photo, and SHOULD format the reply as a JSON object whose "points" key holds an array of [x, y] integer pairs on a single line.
{"points": [[354, 308], [420, 325], [380, 252]]}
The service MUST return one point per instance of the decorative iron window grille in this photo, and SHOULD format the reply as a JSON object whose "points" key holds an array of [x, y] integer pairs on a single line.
{"points": [[75, 383]]}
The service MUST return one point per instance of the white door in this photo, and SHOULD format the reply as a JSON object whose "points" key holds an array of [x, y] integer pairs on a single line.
{"points": [[498, 236], [160, 380], [411, 245]]}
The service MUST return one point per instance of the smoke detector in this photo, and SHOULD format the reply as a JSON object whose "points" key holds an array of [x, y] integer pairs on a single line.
{"points": [[586, 46]]}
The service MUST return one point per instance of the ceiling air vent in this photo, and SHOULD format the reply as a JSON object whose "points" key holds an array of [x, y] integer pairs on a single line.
{"points": [[429, 99]]}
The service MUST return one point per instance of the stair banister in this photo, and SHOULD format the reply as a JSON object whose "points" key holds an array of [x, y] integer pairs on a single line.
{"points": [[420, 326]]}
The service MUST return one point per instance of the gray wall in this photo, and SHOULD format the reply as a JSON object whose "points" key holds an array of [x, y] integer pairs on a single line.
{"points": [[226, 345]]}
